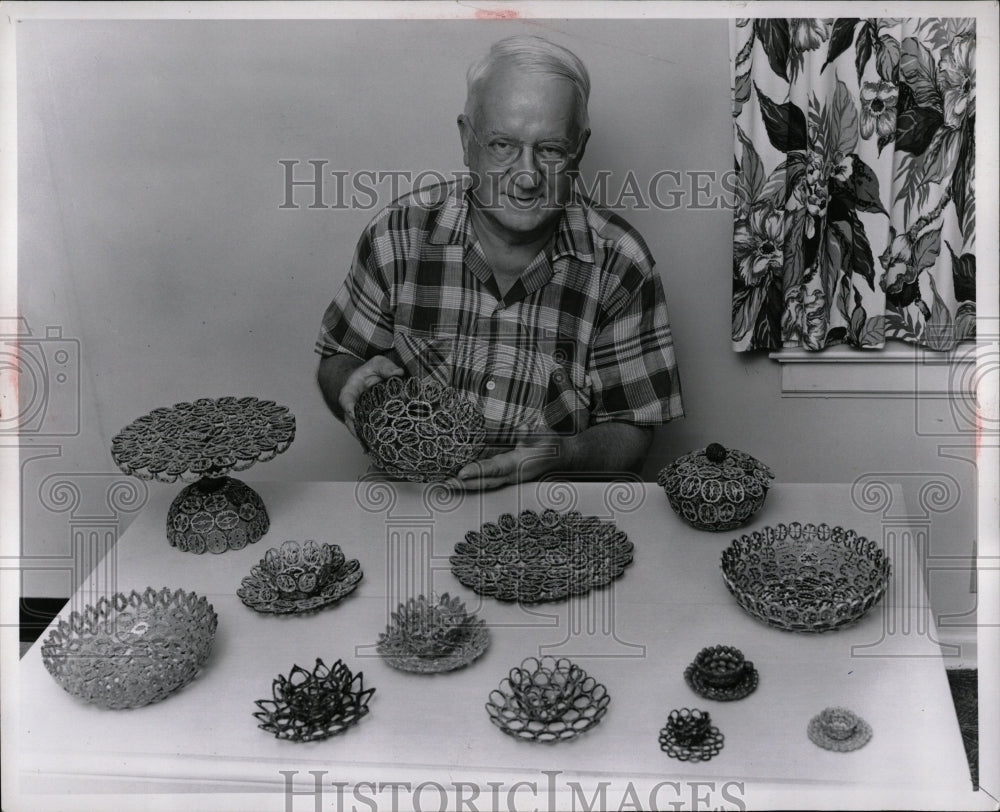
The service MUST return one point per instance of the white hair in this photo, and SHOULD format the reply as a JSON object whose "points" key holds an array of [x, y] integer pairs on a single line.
{"points": [[532, 55]]}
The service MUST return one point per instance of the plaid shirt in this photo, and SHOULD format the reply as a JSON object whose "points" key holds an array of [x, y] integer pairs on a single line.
{"points": [[581, 338]]}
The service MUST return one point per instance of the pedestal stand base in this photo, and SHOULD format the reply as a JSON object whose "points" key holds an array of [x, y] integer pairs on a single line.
{"points": [[216, 515]]}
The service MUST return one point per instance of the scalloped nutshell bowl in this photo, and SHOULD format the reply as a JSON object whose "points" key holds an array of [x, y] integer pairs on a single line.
{"points": [[131, 650]]}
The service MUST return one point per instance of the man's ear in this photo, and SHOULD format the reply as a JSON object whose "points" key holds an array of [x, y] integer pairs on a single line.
{"points": [[465, 133]]}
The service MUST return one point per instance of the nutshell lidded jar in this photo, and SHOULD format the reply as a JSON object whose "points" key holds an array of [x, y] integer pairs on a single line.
{"points": [[716, 488]]}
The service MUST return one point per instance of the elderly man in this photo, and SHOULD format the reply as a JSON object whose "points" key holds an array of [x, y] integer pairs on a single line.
{"points": [[514, 288]]}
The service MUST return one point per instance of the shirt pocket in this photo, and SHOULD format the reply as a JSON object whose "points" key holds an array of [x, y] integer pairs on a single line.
{"points": [[568, 395], [523, 381]]}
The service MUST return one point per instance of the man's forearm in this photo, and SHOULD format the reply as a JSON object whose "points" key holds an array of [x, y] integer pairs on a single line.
{"points": [[334, 370], [605, 447]]}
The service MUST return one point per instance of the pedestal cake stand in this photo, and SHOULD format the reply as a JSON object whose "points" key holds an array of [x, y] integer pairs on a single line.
{"points": [[201, 443]]}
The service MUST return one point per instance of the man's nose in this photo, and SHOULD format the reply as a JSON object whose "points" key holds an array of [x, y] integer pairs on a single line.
{"points": [[526, 174]]}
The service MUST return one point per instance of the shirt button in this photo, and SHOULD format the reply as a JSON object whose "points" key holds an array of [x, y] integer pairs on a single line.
{"points": [[491, 385]]}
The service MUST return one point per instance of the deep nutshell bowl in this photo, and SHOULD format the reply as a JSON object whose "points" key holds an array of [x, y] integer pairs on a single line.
{"points": [[132, 650], [805, 578], [419, 429]]}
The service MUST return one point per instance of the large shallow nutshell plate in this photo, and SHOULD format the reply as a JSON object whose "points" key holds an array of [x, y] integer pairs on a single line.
{"points": [[536, 557]]}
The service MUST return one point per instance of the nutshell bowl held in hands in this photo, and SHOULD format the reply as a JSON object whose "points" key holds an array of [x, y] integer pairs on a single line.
{"points": [[420, 430]]}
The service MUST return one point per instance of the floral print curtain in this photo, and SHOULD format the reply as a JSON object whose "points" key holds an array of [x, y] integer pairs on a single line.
{"points": [[855, 162]]}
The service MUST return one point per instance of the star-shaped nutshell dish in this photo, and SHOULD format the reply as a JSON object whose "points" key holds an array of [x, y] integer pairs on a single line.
{"points": [[537, 557], [200, 443], [547, 700], [419, 430], [298, 578], [314, 705], [430, 636], [132, 650]]}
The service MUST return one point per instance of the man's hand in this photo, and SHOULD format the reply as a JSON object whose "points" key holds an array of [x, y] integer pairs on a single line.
{"points": [[377, 368], [528, 460], [604, 448], [344, 378]]}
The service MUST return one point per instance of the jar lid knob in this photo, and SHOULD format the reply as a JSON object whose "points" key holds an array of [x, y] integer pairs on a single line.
{"points": [[716, 453]]}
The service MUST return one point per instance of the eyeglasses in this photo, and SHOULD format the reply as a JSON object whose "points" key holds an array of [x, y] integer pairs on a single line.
{"points": [[550, 156]]}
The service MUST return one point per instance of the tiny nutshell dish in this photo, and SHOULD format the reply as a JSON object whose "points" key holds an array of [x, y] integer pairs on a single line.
{"points": [[720, 666], [715, 488], [839, 730], [838, 723], [689, 726]]}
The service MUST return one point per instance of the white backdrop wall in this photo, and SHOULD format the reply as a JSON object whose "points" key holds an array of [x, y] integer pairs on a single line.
{"points": [[151, 231]]}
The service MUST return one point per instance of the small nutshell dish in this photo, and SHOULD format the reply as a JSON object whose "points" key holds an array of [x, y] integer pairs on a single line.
{"points": [[721, 673], [419, 429], [547, 700], [314, 705], [297, 578], [716, 488], [690, 736], [431, 636], [131, 650], [805, 578], [839, 729]]}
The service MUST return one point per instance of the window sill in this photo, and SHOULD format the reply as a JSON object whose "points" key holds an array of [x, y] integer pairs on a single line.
{"points": [[904, 371]]}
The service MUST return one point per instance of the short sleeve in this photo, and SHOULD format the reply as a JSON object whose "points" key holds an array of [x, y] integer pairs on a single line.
{"points": [[359, 320], [632, 367]]}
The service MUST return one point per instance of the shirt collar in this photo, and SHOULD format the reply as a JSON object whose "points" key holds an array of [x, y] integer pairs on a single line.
{"points": [[572, 237]]}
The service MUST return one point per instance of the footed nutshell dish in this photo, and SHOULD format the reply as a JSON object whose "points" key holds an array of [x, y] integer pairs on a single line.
{"points": [[421, 430], [297, 578], [716, 488]]}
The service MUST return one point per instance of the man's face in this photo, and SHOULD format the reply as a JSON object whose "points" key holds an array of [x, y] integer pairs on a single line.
{"points": [[521, 199]]}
